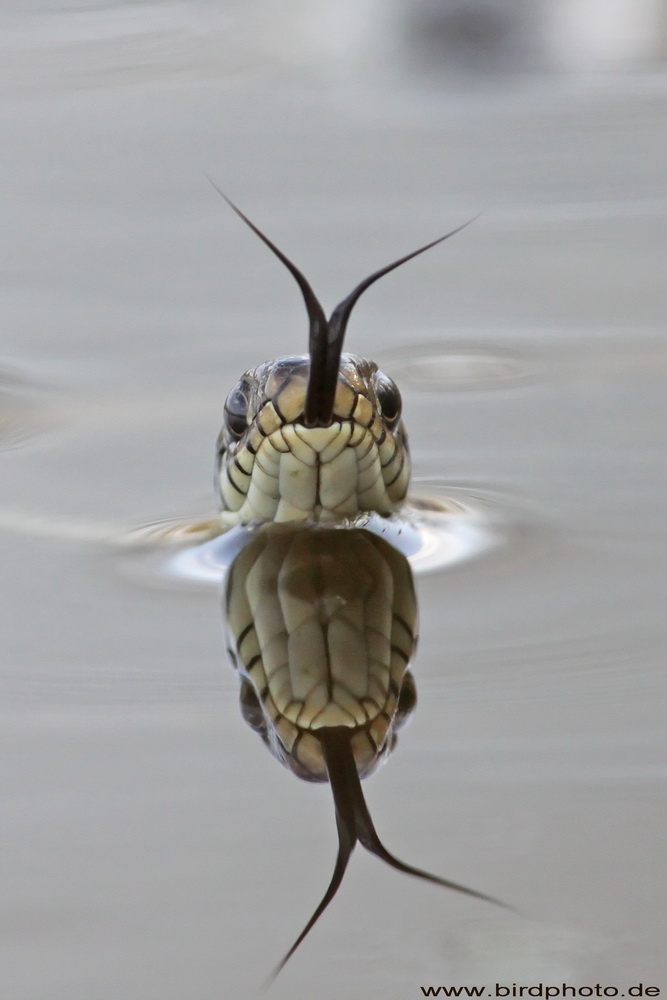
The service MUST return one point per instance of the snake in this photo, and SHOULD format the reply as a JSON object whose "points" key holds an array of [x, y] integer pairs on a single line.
{"points": [[321, 613]]}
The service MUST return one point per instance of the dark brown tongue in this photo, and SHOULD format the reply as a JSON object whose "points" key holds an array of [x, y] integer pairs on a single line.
{"points": [[325, 350], [354, 824], [325, 339]]}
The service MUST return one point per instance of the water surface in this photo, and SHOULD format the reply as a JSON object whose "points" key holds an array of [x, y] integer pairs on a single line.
{"points": [[153, 850]]}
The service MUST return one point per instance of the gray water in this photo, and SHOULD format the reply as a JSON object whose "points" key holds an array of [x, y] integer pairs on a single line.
{"points": [[151, 847]]}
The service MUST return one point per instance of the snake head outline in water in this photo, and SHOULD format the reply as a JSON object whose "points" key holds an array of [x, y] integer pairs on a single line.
{"points": [[319, 438]]}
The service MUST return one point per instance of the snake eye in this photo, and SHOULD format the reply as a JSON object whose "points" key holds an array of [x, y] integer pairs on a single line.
{"points": [[389, 399], [236, 409], [251, 710], [407, 700]]}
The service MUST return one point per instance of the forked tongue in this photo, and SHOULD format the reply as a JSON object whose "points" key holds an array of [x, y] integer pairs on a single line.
{"points": [[325, 337]]}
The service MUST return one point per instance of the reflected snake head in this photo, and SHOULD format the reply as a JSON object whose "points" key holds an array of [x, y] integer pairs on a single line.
{"points": [[322, 627]]}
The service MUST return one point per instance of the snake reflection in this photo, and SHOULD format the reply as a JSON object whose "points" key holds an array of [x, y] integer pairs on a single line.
{"points": [[321, 614], [321, 626]]}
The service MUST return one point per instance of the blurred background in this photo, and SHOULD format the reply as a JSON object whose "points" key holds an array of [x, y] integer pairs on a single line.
{"points": [[60, 43], [151, 847]]}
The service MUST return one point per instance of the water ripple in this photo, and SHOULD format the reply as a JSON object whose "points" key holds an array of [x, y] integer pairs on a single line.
{"points": [[441, 527], [460, 366], [18, 418]]}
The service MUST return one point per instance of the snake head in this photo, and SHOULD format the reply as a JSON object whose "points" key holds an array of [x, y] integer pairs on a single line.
{"points": [[273, 466], [317, 437]]}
